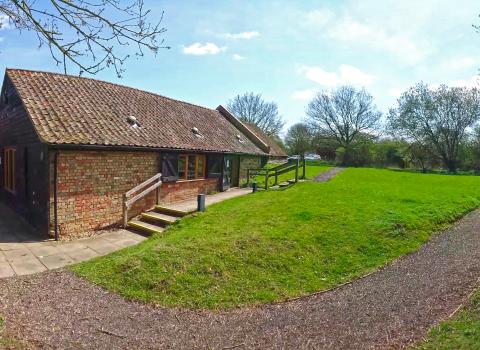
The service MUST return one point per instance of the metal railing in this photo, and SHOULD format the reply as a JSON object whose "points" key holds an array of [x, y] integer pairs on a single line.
{"points": [[131, 197]]}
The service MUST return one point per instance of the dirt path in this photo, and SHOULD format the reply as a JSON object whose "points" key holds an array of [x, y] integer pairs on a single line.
{"points": [[387, 309], [327, 175]]}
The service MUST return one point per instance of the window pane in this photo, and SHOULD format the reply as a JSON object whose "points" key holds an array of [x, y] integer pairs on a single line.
{"points": [[200, 166], [191, 168], [181, 167]]}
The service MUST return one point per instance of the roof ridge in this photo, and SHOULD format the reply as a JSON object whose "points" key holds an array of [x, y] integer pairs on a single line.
{"points": [[108, 82]]}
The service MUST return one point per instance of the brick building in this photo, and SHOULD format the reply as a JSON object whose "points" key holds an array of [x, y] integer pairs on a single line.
{"points": [[72, 147]]}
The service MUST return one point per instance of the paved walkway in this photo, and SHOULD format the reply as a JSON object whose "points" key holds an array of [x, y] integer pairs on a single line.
{"points": [[388, 309], [22, 252], [328, 175], [191, 205]]}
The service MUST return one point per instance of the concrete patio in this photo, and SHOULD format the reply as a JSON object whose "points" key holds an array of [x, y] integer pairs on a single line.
{"points": [[23, 253], [191, 205]]}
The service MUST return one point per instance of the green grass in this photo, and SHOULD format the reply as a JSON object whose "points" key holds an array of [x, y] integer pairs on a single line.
{"points": [[273, 245], [311, 171], [7, 343], [461, 332]]}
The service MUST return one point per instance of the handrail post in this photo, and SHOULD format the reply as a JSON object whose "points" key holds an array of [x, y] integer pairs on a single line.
{"points": [[125, 211], [266, 179], [276, 177], [304, 168], [296, 169]]}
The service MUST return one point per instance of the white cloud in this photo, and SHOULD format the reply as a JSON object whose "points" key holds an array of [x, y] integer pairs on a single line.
{"points": [[400, 45], [242, 35], [395, 92], [459, 63], [472, 82], [372, 33], [206, 49], [346, 75], [4, 22], [237, 57], [318, 17], [304, 95]]}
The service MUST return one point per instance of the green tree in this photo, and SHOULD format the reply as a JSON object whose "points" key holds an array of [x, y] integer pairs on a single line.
{"points": [[437, 118], [298, 139]]}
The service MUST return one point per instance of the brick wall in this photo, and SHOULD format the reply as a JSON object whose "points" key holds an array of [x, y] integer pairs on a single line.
{"points": [[182, 190], [91, 186]]}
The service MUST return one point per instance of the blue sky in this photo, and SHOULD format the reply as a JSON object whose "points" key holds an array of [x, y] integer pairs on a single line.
{"points": [[289, 50]]}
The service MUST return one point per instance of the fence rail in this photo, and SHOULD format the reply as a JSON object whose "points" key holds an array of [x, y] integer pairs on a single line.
{"points": [[278, 170]]}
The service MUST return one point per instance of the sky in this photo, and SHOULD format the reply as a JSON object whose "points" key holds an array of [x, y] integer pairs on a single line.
{"points": [[290, 50]]}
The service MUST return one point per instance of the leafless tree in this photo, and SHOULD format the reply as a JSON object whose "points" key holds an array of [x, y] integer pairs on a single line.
{"points": [[87, 34], [251, 108], [437, 117], [343, 114]]}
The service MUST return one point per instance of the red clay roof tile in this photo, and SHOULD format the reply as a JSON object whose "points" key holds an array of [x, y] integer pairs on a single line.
{"points": [[82, 111]]}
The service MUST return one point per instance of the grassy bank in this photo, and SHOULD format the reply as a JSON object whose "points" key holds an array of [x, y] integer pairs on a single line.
{"points": [[461, 332], [273, 245]]}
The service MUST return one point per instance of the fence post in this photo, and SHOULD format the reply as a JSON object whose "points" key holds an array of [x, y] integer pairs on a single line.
{"points": [[304, 168], [125, 211], [276, 177], [248, 177], [296, 169], [266, 180]]}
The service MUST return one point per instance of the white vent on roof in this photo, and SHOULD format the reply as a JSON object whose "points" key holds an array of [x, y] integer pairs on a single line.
{"points": [[239, 138], [196, 132], [133, 121]]}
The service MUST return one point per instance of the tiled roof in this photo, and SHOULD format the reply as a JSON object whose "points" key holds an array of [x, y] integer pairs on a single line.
{"points": [[81, 111], [275, 149]]}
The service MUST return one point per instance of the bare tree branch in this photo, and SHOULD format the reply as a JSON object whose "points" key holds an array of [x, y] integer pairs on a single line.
{"points": [[253, 109], [88, 34], [343, 114]]}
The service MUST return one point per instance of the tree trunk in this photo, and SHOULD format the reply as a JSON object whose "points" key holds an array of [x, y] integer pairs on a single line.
{"points": [[451, 165]]}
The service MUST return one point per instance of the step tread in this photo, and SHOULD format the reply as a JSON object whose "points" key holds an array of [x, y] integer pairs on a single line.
{"points": [[145, 226], [160, 216], [171, 211]]}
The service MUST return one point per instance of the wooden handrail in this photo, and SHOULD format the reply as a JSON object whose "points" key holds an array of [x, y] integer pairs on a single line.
{"points": [[127, 202], [278, 170], [143, 184]]}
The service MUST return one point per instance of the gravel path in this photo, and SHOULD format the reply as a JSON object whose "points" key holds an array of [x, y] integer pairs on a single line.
{"points": [[327, 175], [387, 309]]}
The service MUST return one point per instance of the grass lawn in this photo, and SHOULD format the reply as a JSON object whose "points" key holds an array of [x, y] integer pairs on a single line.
{"points": [[273, 245], [461, 332]]}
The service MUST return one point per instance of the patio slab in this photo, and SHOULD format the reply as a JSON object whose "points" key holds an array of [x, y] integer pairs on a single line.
{"points": [[191, 205], [24, 253]]}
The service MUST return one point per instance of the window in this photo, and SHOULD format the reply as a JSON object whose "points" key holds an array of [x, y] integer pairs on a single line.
{"points": [[191, 166], [9, 169]]}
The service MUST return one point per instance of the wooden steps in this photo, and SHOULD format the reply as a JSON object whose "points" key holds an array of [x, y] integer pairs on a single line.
{"points": [[145, 227], [159, 217], [156, 220]]}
